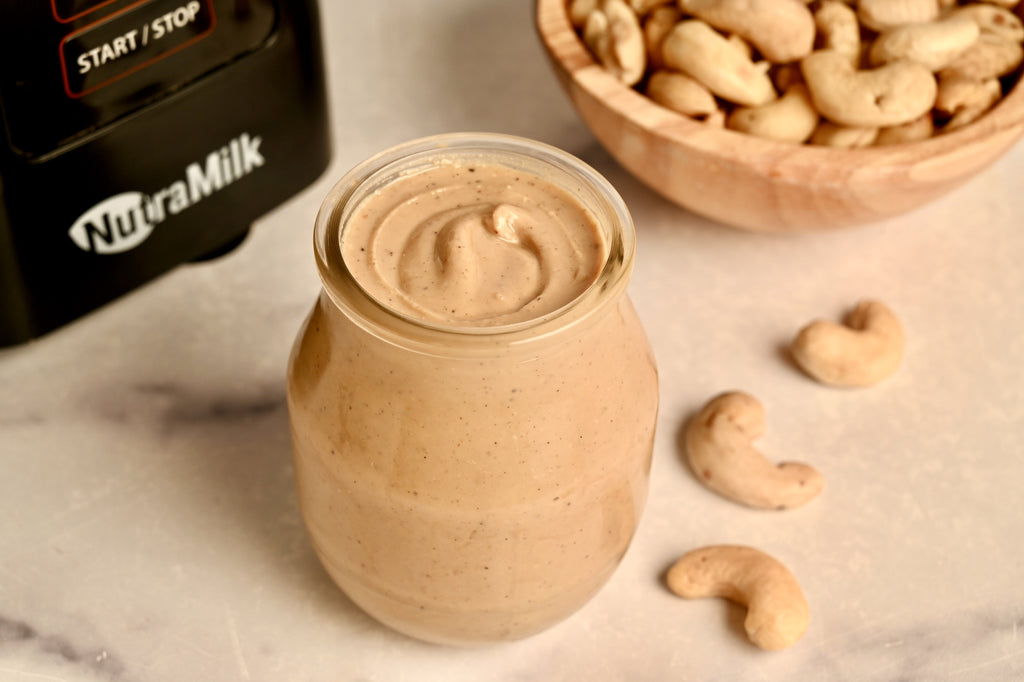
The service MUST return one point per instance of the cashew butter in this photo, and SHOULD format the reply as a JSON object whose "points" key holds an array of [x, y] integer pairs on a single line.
{"points": [[468, 243], [472, 397]]}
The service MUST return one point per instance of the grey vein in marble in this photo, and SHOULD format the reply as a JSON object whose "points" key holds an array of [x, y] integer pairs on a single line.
{"points": [[33, 652], [189, 406]]}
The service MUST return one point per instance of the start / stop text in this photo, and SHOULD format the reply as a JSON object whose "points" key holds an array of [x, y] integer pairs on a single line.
{"points": [[139, 37]]}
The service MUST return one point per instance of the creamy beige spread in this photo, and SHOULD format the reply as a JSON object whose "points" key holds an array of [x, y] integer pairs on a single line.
{"points": [[466, 500], [473, 244]]}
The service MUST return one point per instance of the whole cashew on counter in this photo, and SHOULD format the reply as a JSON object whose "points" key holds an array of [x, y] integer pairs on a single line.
{"points": [[719, 445], [777, 611], [843, 73], [862, 352]]}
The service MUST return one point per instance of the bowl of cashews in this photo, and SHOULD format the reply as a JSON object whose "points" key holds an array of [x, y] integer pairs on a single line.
{"points": [[790, 116]]}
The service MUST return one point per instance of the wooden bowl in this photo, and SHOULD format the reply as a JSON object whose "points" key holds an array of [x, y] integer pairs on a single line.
{"points": [[761, 184]]}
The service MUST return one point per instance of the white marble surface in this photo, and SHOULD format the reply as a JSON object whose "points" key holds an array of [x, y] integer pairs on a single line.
{"points": [[148, 527]]}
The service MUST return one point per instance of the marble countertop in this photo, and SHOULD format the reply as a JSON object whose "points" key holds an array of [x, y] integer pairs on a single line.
{"points": [[148, 525]]}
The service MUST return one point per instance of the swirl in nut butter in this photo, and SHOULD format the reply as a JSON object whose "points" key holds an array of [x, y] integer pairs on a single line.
{"points": [[472, 245]]}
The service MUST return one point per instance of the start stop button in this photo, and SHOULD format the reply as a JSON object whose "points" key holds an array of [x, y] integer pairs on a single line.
{"points": [[129, 41]]}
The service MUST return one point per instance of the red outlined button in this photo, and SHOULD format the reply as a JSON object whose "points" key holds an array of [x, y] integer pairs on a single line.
{"points": [[131, 40], [69, 10]]}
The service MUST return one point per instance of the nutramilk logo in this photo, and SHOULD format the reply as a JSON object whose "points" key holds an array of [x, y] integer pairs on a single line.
{"points": [[123, 221]]}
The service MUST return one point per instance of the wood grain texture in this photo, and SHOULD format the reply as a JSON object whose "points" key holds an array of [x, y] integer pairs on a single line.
{"points": [[760, 184]]}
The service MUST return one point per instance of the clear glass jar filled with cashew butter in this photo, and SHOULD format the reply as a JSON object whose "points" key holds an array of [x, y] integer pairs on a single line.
{"points": [[472, 398]]}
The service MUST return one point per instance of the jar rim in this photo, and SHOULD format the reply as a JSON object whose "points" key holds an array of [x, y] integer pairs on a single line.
{"points": [[602, 200]]}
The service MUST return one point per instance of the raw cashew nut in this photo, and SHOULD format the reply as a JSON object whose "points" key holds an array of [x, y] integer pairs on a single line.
{"points": [[914, 131], [871, 67], [612, 32], [863, 352], [656, 26], [681, 93], [991, 56], [697, 49], [839, 28], [883, 14], [791, 118], [933, 45], [720, 451], [781, 30], [829, 134], [885, 96], [993, 20], [777, 610], [965, 100]]}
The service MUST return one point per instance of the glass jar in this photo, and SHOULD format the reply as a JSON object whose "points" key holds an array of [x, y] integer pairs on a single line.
{"points": [[466, 485]]}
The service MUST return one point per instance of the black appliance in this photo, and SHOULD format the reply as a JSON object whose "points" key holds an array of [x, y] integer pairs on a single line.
{"points": [[141, 134]]}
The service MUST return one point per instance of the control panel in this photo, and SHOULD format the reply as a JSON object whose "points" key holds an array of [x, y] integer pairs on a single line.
{"points": [[71, 67]]}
